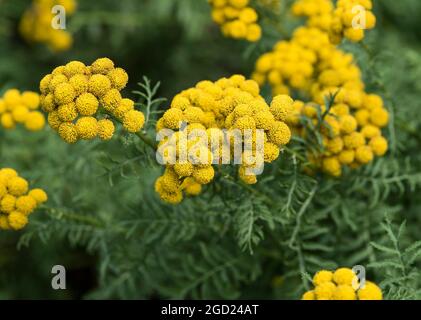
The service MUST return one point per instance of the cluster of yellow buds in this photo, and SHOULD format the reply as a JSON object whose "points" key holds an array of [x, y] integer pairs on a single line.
{"points": [[351, 128], [350, 20], [237, 19], [74, 95], [318, 12], [218, 123], [21, 108], [351, 137], [291, 64], [347, 19], [17, 202], [343, 284], [36, 24]]}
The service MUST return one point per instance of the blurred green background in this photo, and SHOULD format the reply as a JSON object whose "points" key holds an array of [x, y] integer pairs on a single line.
{"points": [[176, 43]]}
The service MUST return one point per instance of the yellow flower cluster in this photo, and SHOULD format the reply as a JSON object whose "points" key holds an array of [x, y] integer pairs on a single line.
{"points": [[347, 13], [214, 113], [292, 63], [74, 94], [21, 108], [342, 284], [17, 202], [318, 12], [36, 24], [237, 19], [351, 137], [316, 68], [348, 19]]}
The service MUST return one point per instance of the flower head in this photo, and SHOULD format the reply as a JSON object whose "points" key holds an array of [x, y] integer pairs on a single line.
{"points": [[76, 96], [16, 203]]}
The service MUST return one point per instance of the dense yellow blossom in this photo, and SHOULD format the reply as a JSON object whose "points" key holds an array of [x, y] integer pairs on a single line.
{"points": [[21, 108], [237, 19], [76, 96], [36, 27], [350, 20], [228, 110], [343, 19], [16, 203], [341, 284], [133, 121], [315, 68]]}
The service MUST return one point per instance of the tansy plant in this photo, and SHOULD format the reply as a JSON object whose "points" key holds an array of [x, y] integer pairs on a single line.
{"points": [[21, 108], [247, 235], [36, 24], [83, 102], [17, 202]]}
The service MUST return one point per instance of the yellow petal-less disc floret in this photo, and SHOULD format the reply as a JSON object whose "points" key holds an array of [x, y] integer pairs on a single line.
{"points": [[133, 121], [309, 295], [35, 121], [17, 220], [105, 129], [17, 186], [26, 204], [99, 85], [67, 112], [325, 291], [322, 276], [111, 100], [74, 68], [64, 93], [39, 195], [102, 66], [282, 107], [80, 83], [68, 132], [87, 104], [118, 78], [30, 100], [8, 203], [87, 128], [344, 292], [370, 292], [379, 145], [344, 276]]}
